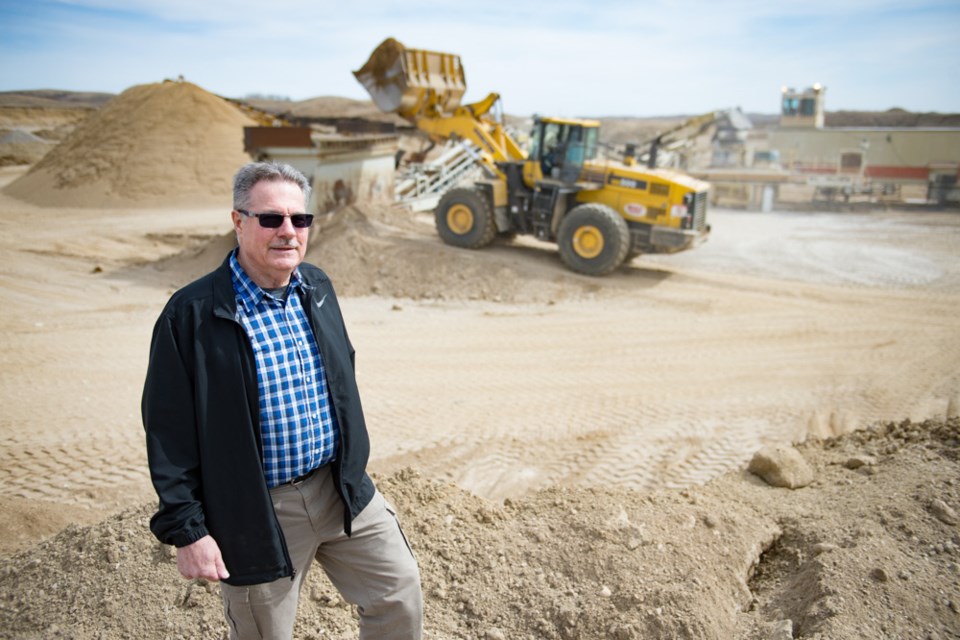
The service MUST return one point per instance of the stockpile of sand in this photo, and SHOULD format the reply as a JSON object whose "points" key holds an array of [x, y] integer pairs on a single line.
{"points": [[868, 547], [22, 147], [37, 118], [380, 251], [155, 144]]}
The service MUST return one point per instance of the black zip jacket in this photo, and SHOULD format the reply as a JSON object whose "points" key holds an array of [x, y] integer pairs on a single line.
{"points": [[201, 415]]}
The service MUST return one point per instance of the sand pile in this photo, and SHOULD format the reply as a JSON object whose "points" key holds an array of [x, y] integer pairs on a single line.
{"points": [[391, 252], [36, 118], [21, 136], [22, 147], [382, 251], [155, 144], [868, 549], [325, 108]]}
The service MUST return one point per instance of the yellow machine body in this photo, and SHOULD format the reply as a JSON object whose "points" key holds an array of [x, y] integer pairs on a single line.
{"points": [[533, 191]]}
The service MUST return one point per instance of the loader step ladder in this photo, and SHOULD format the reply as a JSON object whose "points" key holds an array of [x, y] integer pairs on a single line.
{"points": [[419, 186]]}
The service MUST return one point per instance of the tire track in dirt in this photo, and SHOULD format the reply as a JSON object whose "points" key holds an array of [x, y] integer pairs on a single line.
{"points": [[647, 393], [667, 373], [89, 472]]}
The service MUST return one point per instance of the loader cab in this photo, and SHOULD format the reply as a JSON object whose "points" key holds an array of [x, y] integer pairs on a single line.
{"points": [[561, 146]]}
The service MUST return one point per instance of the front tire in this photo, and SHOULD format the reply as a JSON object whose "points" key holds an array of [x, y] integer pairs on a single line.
{"points": [[593, 239], [464, 218]]}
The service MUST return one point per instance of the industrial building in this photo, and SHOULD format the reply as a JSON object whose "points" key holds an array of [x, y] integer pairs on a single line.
{"points": [[801, 160], [342, 167]]}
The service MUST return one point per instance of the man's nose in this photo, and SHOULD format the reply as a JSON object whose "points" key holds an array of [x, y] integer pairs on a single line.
{"points": [[286, 227]]}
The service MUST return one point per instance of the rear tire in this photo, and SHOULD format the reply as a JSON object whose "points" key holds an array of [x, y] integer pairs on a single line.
{"points": [[464, 218], [593, 239]]}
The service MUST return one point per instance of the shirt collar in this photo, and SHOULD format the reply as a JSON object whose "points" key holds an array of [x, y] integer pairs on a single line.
{"points": [[249, 293]]}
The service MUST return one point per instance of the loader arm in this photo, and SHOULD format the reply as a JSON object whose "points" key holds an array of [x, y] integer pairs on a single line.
{"points": [[425, 88], [495, 144]]}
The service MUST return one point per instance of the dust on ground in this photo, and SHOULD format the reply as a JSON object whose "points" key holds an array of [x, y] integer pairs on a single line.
{"points": [[568, 453]]}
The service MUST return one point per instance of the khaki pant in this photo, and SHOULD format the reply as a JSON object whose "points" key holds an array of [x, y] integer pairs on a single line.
{"points": [[373, 569]]}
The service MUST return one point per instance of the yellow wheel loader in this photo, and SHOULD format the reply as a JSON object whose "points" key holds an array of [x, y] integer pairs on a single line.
{"points": [[598, 212]]}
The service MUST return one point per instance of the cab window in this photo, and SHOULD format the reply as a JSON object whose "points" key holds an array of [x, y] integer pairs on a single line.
{"points": [[590, 142]]}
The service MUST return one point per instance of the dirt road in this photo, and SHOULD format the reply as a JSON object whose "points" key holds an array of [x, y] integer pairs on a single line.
{"points": [[682, 366], [667, 373]]}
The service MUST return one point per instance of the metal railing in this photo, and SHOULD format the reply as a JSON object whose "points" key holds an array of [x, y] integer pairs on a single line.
{"points": [[420, 186]]}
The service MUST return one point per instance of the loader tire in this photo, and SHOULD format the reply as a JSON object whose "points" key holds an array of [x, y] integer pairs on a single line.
{"points": [[593, 239], [465, 219]]}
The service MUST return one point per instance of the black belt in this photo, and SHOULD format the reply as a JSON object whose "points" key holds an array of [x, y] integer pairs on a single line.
{"points": [[304, 477]]}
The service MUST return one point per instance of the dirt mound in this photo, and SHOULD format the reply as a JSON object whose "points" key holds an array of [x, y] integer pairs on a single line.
{"points": [[165, 143], [34, 118], [19, 136], [22, 147], [869, 549], [54, 98], [392, 252], [325, 108]]}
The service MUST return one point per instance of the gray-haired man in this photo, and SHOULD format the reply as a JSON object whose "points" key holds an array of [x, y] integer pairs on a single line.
{"points": [[256, 436]]}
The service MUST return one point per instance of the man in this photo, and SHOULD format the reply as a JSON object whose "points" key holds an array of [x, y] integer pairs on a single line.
{"points": [[256, 438]]}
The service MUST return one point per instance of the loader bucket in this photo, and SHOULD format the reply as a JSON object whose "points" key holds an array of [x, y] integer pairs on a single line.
{"points": [[412, 82]]}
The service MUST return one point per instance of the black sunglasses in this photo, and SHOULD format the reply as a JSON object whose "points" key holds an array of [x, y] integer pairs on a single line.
{"points": [[274, 220]]}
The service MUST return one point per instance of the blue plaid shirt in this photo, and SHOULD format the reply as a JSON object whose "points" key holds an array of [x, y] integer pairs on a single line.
{"points": [[297, 424]]}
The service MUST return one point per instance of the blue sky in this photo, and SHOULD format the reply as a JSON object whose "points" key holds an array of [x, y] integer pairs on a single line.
{"points": [[558, 57]]}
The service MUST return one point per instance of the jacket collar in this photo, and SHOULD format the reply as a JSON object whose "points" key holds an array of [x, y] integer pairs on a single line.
{"points": [[224, 296], [224, 299]]}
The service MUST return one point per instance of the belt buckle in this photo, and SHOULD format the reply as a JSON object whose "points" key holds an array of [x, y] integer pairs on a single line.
{"points": [[296, 482]]}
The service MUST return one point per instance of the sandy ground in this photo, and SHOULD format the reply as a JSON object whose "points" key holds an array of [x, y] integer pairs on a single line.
{"points": [[497, 370], [669, 372]]}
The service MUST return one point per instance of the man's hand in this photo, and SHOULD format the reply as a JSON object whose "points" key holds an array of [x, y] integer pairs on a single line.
{"points": [[202, 559]]}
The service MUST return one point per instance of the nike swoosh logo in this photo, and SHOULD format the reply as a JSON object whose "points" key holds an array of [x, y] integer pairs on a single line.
{"points": [[321, 301]]}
